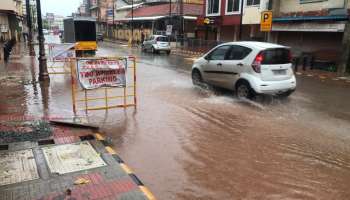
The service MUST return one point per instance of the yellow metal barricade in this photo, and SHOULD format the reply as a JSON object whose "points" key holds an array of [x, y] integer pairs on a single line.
{"points": [[57, 65], [105, 98]]}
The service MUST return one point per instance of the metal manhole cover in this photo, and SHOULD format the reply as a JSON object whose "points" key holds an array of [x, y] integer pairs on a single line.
{"points": [[68, 158], [17, 166]]}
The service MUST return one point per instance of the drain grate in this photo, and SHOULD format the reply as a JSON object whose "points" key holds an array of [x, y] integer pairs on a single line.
{"points": [[86, 137], [46, 142], [4, 147]]}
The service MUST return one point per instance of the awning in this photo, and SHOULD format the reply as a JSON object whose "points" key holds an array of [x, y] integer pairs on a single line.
{"points": [[311, 18], [153, 18], [143, 18], [127, 7], [309, 27]]}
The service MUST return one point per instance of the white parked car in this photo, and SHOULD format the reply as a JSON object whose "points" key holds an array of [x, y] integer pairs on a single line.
{"points": [[249, 68], [157, 43]]}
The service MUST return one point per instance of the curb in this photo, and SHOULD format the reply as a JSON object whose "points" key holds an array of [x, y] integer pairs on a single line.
{"points": [[323, 77], [127, 169], [187, 53]]}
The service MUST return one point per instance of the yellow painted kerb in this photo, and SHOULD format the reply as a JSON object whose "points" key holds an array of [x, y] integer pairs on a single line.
{"points": [[99, 136], [126, 168], [110, 150], [148, 193]]}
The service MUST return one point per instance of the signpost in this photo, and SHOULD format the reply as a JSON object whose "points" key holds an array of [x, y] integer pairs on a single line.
{"points": [[108, 74], [97, 73], [169, 29], [266, 21]]}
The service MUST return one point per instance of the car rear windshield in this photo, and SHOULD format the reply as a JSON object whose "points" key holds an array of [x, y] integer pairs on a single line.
{"points": [[276, 56], [162, 39]]}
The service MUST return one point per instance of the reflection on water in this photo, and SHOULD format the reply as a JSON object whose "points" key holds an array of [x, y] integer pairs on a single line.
{"points": [[189, 143]]}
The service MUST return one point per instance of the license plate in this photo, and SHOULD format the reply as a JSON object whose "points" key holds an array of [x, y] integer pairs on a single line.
{"points": [[280, 72]]}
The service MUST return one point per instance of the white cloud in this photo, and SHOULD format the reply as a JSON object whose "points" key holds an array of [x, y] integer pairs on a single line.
{"points": [[60, 7]]}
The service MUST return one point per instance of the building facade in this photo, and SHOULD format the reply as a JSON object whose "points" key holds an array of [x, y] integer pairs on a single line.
{"points": [[314, 27], [317, 28], [11, 17]]}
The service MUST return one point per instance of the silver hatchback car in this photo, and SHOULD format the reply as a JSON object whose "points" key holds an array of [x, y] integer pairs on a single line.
{"points": [[157, 43]]}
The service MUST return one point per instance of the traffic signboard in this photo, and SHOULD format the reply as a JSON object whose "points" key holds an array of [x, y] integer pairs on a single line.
{"points": [[169, 29], [266, 21]]}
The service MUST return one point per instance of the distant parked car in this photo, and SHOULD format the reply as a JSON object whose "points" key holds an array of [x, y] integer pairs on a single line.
{"points": [[249, 68], [157, 43], [99, 37]]}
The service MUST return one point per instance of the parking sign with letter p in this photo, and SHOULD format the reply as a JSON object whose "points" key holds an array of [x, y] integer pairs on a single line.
{"points": [[266, 21]]}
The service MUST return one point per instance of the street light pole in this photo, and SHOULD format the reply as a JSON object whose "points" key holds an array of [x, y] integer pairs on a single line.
{"points": [[169, 12], [241, 21], [30, 31], [43, 74], [132, 22]]}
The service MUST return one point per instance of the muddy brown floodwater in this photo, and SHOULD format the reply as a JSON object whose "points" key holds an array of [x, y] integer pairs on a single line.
{"points": [[189, 143]]}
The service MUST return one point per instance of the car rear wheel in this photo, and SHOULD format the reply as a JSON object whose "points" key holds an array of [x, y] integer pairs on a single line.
{"points": [[154, 50], [197, 78], [285, 95], [244, 91]]}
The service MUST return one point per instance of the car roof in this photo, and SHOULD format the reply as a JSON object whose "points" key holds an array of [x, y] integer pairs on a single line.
{"points": [[258, 45]]}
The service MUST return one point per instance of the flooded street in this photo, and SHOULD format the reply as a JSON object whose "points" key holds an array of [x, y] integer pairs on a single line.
{"points": [[189, 143]]}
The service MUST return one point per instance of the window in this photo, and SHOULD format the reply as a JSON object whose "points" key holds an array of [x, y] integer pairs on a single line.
{"points": [[238, 53], [162, 39], [253, 2], [276, 56], [213, 7], [232, 6], [219, 53]]}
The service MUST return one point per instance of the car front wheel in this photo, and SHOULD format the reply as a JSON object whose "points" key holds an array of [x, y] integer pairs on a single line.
{"points": [[196, 78], [154, 50]]}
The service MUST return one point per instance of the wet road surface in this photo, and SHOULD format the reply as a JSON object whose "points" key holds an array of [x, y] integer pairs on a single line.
{"points": [[190, 143]]}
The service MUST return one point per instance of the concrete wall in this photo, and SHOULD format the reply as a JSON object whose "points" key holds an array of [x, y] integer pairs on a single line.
{"points": [[125, 34], [8, 5], [288, 6], [228, 33], [252, 14]]}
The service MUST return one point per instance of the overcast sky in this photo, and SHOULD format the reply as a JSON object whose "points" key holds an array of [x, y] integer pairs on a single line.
{"points": [[60, 7]]}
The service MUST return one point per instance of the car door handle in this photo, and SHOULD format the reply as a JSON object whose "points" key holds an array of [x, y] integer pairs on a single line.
{"points": [[219, 64], [240, 64]]}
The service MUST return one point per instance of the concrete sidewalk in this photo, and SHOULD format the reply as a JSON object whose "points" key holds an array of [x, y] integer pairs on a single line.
{"points": [[42, 160]]}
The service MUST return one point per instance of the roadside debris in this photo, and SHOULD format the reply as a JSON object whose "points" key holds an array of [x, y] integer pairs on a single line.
{"points": [[81, 181], [26, 131]]}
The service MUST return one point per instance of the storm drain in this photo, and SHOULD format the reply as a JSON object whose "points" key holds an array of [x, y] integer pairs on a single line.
{"points": [[4, 147], [17, 166], [69, 158]]}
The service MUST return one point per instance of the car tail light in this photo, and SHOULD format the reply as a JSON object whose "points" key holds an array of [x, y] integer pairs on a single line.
{"points": [[257, 63]]}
